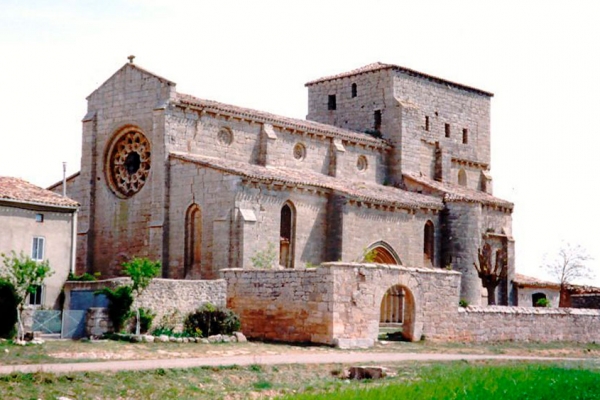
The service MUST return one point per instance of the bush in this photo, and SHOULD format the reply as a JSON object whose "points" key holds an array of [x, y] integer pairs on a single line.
{"points": [[8, 309], [120, 301], [463, 303], [210, 320], [543, 302], [146, 318], [86, 277]]}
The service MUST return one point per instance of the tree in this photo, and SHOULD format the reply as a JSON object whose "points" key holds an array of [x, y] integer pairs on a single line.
{"points": [[25, 275], [490, 271], [141, 271], [568, 266]]}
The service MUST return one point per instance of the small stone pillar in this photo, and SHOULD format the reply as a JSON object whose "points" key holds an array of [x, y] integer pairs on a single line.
{"points": [[97, 322]]}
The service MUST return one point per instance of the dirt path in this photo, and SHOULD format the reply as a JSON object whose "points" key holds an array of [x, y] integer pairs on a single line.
{"points": [[267, 359]]}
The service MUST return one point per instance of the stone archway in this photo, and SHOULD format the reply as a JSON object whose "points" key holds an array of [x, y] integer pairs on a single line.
{"points": [[397, 311]]}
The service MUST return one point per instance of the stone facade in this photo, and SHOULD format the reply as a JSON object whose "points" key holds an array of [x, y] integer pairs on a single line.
{"points": [[390, 162]]}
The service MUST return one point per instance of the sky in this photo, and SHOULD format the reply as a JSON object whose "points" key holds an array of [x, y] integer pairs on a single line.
{"points": [[540, 59]]}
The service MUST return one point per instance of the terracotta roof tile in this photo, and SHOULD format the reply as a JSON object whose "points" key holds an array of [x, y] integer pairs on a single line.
{"points": [[379, 66], [293, 123], [354, 189], [457, 193], [19, 191]]}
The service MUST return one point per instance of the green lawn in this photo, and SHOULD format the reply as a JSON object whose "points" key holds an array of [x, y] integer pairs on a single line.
{"points": [[485, 382]]}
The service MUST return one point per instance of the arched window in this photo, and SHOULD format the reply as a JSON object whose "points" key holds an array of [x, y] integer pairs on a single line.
{"points": [[381, 253], [286, 235], [428, 243], [193, 241], [354, 91], [462, 177]]}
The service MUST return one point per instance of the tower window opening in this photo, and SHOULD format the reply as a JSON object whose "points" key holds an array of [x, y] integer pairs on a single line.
{"points": [[447, 130], [354, 91], [331, 103], [377, 120], [465, 137], [427, 123]]}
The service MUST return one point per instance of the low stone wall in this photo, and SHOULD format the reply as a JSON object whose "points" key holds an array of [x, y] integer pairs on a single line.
{"points": [[165, 297], [499, 323], [290, 305]]}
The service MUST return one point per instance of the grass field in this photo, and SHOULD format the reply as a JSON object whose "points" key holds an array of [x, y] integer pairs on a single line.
{"points": [[414, 380], [489, 382], [457, 380]]}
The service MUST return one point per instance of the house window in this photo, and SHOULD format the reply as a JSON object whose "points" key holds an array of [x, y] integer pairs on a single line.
{"points": [[377, 120], [331, 103], [354, 91], [37, 249], [447, 129], [465, 136], [427, 123], [35, 298], [39, 217]]}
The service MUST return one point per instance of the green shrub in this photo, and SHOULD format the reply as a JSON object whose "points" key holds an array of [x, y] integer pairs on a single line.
{"points": [[543, 302], [119, 304], [86, 277], [8, 309], [210, 320], [463, 303], [146, 318]]}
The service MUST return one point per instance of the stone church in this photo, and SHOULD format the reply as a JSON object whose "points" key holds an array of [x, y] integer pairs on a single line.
{"points": [[391, 165]]}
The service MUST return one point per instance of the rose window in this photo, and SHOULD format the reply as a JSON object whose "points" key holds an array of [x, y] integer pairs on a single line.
{"points": [[299, 151], [128, 163]]}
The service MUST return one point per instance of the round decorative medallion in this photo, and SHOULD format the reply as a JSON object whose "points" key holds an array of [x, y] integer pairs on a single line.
{"points": [[128, 162], [362, 163], [225, 136], [299, 151]]}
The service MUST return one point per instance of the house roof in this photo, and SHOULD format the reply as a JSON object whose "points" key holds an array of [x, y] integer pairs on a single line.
{"points": [[354, 189], [457, 193], [17, 190], [530, 281], [379, 66], [286, 122]]}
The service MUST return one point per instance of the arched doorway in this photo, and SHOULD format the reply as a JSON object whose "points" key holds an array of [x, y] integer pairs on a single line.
{"points": [[381, 253], [397, 313], [286, 235], [193, 242]]}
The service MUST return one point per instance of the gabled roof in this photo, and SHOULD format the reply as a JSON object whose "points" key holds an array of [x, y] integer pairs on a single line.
{"points": [[17, 190], [457, 193], [354, 189], [379, 66], [133, 66], [286, 122]]}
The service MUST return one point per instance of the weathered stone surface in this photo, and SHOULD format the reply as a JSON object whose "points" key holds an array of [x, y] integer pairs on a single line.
{"points": [[367, 372], [163, 338], [240, 337]]}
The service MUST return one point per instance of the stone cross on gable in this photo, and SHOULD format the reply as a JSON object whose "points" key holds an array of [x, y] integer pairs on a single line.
{"points": [[130, 58]]}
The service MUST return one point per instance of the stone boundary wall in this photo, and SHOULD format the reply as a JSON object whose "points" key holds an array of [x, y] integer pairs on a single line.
{"points": [[292, 305], [529, 324], [164, 296]]}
